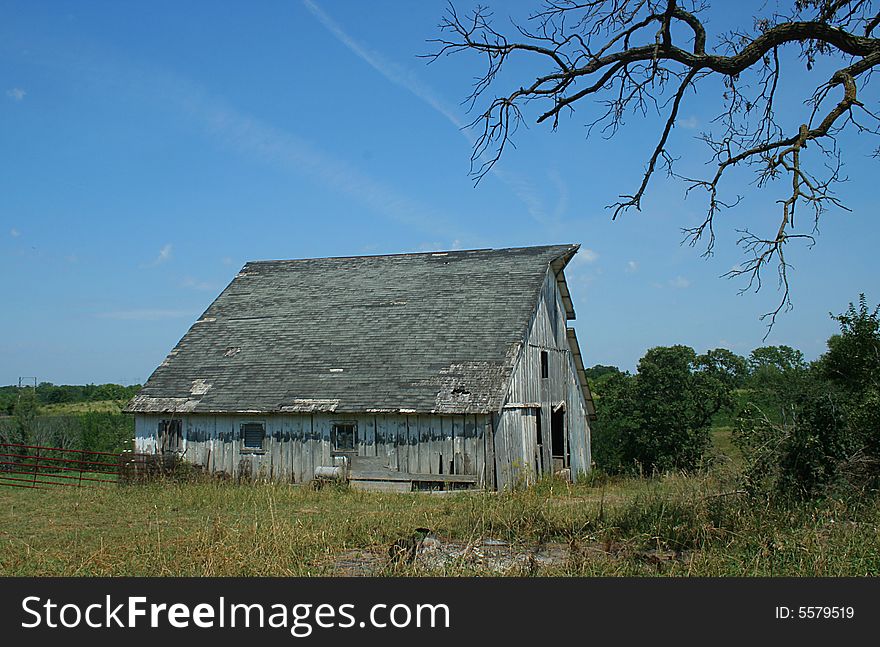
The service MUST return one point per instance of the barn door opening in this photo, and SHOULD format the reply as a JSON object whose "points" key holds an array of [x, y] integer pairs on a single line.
{"points": [[539, 442], [170, 436], [558, 446]]}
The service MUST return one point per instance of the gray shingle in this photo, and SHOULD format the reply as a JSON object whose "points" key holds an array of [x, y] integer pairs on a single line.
{"points": [[435, 332]]}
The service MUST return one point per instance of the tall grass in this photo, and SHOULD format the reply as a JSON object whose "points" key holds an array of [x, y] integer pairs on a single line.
{"points": [[670, 525]]}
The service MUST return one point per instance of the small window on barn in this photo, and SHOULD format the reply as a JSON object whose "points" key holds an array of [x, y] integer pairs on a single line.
{"points": [[253, 434], [344, 437], [545, 364]]}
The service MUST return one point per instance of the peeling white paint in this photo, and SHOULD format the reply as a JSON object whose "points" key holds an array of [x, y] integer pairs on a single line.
{"points": [[199, 387], [307, 405]]}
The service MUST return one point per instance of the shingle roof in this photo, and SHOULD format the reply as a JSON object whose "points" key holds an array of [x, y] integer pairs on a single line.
{"points": [[434, 332]]}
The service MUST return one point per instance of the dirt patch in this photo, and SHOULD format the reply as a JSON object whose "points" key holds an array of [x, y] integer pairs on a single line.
{"points": [[487, 556]]}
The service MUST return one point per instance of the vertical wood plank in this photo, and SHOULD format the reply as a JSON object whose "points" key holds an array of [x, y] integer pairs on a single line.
{"points": [[458, 444], [402, 444], [469, 452], [480, 451]]}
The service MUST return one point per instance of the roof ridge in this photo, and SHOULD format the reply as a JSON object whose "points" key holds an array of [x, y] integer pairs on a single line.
{"points": [[567, 246]]}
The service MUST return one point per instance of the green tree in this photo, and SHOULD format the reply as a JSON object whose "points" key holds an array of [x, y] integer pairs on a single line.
{"points": [[730, 368], [600, 370], [105, 431], [853, 357], [24, 415], [598, 376], [618, 423], [775, 359], [852, 363], [775, 380], [660, 418]]}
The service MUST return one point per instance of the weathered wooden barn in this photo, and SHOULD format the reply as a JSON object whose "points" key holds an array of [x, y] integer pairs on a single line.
{"points": [[406, 371]]}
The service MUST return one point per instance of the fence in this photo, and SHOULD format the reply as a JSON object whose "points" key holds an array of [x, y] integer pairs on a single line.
{"points": [[36, 466], [41, 467]]}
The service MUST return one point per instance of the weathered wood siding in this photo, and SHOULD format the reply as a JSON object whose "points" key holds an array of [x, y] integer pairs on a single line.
{"points": [[298, 443], [519, 460]]}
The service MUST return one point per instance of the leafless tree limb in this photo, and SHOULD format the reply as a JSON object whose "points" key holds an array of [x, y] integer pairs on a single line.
{"points": [[646, 56]]}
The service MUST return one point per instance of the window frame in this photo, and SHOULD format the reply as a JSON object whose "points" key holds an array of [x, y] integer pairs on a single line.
{"points": [[246, 449], [334, 438]]}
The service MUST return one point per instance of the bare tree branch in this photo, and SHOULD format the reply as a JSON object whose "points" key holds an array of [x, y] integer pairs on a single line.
{"points": [[646, 56]]}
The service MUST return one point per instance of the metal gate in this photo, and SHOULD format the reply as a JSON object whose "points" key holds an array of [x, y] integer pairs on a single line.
{"points": [[36, 466]]}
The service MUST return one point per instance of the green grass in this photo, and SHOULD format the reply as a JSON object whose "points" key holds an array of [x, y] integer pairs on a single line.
{"points": [[68, 408], [723, 449], [675, 525]]}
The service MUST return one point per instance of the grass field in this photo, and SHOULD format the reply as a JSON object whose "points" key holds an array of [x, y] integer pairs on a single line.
{"points": [[665, 526], [68, 408]]}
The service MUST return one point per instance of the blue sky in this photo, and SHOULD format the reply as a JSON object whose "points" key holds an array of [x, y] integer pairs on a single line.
{"points": [[149, 149]]}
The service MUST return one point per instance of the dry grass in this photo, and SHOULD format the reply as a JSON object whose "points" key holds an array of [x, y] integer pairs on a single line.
{"points": [[675, 525]]}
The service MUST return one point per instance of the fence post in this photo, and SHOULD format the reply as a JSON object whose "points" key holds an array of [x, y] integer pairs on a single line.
{"points": [[36, 462]]}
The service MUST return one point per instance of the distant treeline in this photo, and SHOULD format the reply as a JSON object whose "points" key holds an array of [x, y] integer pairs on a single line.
{"points": [[803, 429], [48, 393], [96, 431]]}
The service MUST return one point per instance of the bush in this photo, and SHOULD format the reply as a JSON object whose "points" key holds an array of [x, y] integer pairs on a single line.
{"points": [[823, 434]]}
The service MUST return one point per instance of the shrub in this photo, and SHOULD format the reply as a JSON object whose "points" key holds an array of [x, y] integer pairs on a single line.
{"points": [[822, 433]]}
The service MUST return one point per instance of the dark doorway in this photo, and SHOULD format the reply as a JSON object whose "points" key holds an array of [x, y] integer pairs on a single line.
{"points": [[557, 436], [539, 442]]}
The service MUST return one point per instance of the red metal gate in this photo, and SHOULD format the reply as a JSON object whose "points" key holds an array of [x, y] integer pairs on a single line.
{"points": [[35, 466]]}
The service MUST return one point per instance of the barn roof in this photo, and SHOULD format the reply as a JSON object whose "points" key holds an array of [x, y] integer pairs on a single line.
{"points": [[434, 332]]}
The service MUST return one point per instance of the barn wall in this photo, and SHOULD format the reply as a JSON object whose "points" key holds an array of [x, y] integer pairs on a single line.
{"points": [[519, 457], [298, 443]]}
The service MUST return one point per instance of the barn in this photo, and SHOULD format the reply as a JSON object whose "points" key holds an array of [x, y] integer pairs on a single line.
{"points": [[439, 370]]}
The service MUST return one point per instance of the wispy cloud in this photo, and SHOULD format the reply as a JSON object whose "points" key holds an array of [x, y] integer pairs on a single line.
{"points": [[521, 187], [194, 284], [689, 123], [248, 135], [562, 190], [145, 314], [437, 246], [583, 279], [585, 256], [632, 267], [284, 149], [16, 94], [678, 283], [163, 257], [15, 233], [392, 71]]}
